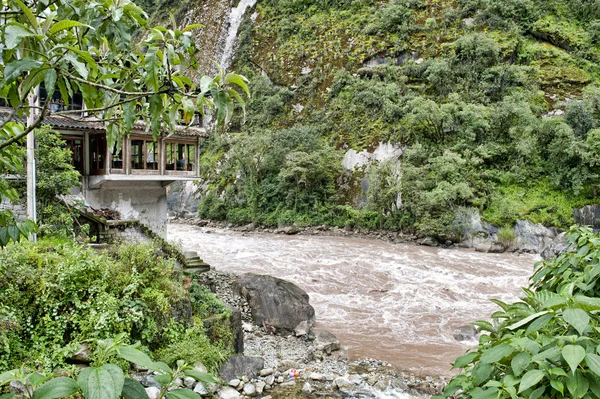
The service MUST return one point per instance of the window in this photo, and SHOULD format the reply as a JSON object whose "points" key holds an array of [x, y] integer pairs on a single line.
{"points": [[75, 144], [144, 154], [117, 160], [180, 157], [97, 153]]}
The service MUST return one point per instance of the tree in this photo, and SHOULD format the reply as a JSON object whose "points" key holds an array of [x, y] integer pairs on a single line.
{"points": [[105, 51]]}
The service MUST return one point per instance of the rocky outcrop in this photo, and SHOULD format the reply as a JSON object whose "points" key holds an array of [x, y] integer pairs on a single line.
{"points": [[275, 303], [182, 200], [241, 366], [532, 238], [589, 215]]}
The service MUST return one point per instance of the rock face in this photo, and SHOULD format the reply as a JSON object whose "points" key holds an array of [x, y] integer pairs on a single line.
{"points": [[532, 237], [556, 247], [182, 200], [276, 303], [589, 215], [240, 366], [483, 236]]}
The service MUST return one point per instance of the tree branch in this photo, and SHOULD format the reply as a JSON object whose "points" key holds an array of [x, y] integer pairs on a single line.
{"points": [[112, 89]]}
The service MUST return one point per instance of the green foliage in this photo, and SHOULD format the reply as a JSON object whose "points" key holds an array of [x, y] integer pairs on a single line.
{"points": [[506, 236], [106, 380], [57, 293], [545, 345]]}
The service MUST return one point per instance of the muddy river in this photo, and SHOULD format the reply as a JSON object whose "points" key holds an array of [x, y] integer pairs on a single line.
{"points": [[395, 302]]}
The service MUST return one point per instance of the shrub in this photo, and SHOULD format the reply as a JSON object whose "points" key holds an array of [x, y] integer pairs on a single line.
{"points": [[56, 293], [545, 345], [506, 236]]}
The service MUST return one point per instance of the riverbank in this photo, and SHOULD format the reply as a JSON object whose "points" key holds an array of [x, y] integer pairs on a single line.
{"points": [[321, 372], [526, 237]]}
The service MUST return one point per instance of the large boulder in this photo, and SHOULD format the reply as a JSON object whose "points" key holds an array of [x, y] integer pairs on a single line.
{"points": [[241, 366], [276, 303], [532, 238]]}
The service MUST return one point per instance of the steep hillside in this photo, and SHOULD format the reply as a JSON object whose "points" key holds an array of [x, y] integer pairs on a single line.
{"points": [[494, 105]]}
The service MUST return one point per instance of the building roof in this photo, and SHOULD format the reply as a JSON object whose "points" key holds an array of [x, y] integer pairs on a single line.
{"points": [[82, 124]]}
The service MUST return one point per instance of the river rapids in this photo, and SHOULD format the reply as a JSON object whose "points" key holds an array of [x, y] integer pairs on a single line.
{"points": [[399, 303]]}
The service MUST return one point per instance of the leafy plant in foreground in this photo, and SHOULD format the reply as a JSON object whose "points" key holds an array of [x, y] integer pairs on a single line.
{"points": [[547, 344], [106, 380]]}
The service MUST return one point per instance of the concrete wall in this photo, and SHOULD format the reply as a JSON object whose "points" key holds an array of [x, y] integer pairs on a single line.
{"points": [[144, 201]]}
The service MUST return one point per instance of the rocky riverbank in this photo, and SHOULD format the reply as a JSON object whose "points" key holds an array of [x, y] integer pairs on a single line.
{"points": [[483, 237], [278, 363]]}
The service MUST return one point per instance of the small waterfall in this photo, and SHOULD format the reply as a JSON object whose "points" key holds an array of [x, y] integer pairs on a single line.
{"points": [[235, 19]]}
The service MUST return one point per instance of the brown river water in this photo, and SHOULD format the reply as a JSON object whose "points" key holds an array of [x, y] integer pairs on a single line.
{"points": [[399, 303]]}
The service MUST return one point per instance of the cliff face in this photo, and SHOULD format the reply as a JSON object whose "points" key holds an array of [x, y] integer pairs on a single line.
{"points": [[492, 105]]}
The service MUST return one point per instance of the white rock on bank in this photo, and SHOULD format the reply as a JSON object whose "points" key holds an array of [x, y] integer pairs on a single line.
{"points": [[153, 392]]}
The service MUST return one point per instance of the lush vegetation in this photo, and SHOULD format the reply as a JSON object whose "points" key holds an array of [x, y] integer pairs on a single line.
{"points": [[495, 103], [545, 345], [56, 294]]}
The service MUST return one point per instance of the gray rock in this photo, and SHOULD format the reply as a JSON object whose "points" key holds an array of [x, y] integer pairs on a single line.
{"points": [[260, 386], [189, 382], [465, 333], [200, 389], [238, 366], [556, 247], [589, 215], [266, 372], [307, 388], [234, 383], [270, 380], [149, 381], [228, 393], [316, 377], [531, 237], [327, 342], [276, 303], [343, 384], [428, 241], [17, 388], [153, 392], [290, 383], [82, 355], [249, 389], [302, 329]]}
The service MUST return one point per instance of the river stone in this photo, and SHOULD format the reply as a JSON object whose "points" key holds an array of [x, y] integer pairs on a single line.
{"points": [[327, 342], [234, 383], [228, 393], [302, 329], [276, 303], [260, 386], [343, 384], [556, 247], [307, 389], [249, 389], [153, 392], [465, 333], [270, 380], [200, 389], [239, 366]]}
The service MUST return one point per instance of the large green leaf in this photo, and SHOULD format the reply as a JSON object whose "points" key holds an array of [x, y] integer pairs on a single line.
{"points": [[573, 354], [136, 356], [16, 68], [151, 65], [520, 363], [239, 80], [200, 376], [593, 362], [64, 25], [496, 353], [463, 360], [526, 320], [13, 33], [538, 323], [59, 387], [105, 382], [132, 389], [7, 376], [182, 394], [530, 378], [577, 384], [578, 318]]}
